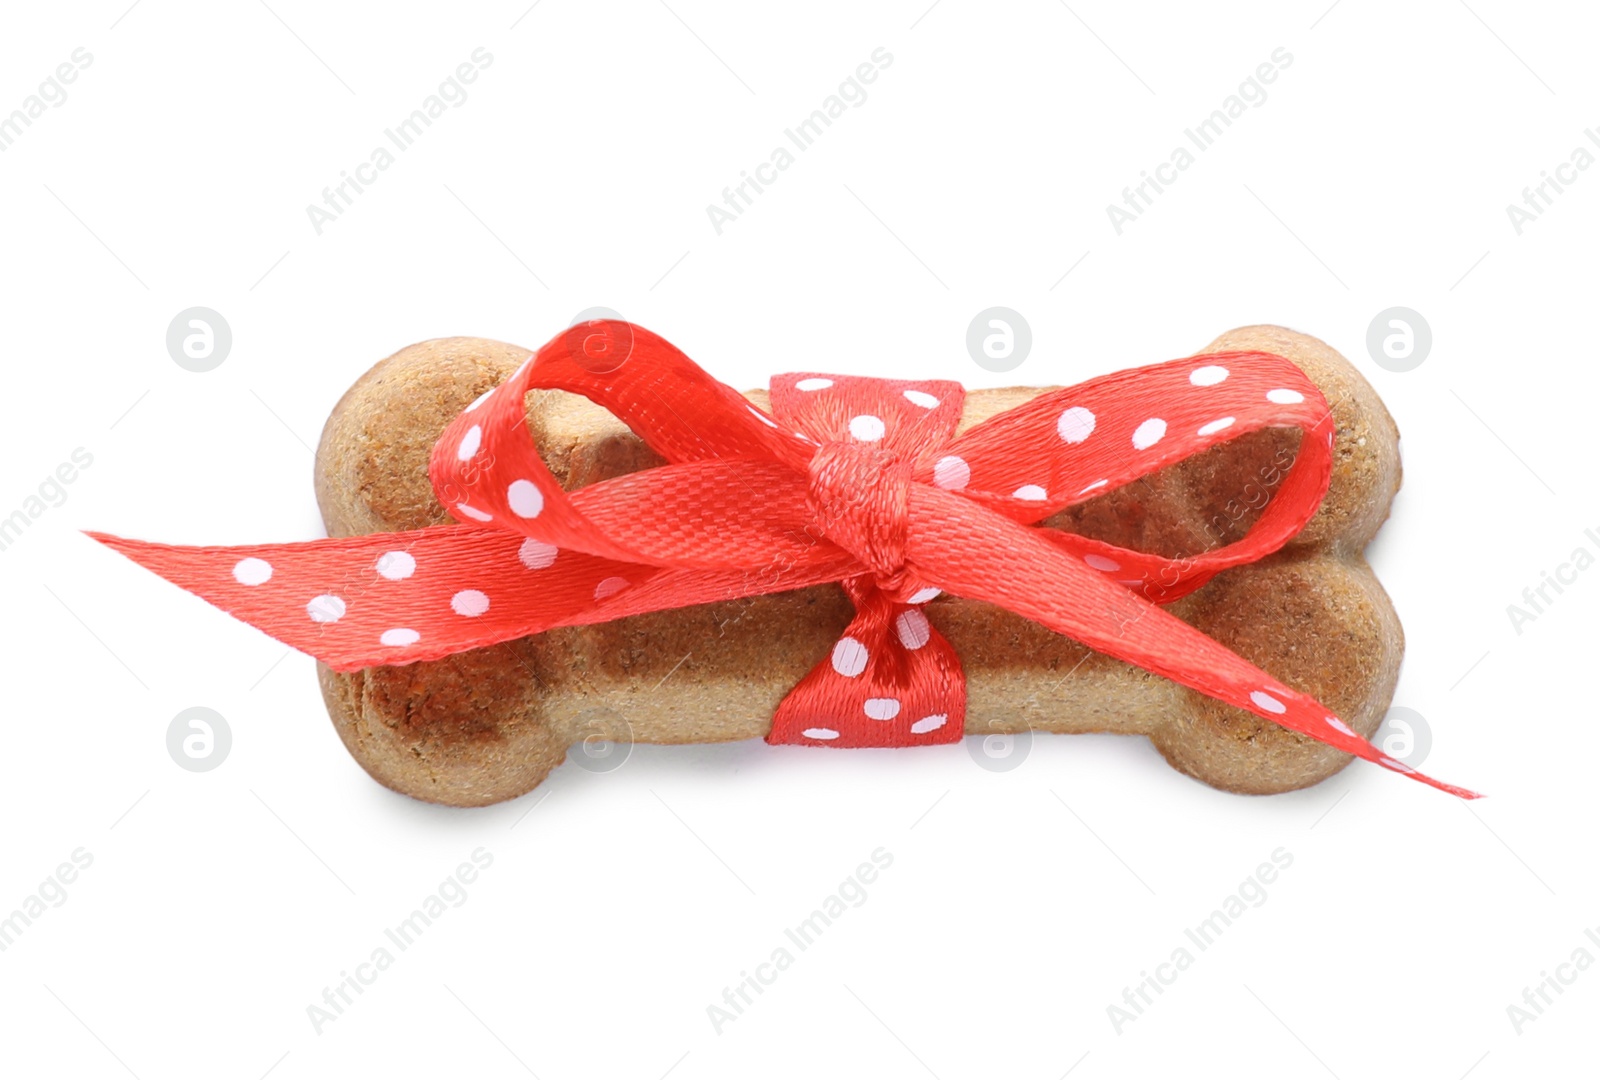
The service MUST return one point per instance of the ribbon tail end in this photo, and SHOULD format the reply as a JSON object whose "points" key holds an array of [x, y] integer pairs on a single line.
{"points": [[1450, 789]]}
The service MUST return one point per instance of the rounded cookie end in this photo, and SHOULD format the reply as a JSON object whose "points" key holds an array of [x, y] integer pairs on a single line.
{"points": [[1366, 451], [1318, 624], [445, 731]]}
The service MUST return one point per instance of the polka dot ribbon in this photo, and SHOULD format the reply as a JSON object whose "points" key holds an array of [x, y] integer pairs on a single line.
{"points": [[852, 480]]}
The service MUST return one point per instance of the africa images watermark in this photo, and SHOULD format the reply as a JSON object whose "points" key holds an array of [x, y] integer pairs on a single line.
{"points": [[1536, 599], [1254, 496], [1251, 893], [1252, 93], [1542, 994], [451, 893], [52, 93], [452, 93], [851, 893], [852, 93], [51, 492], [1541, 196], [52, 891]]}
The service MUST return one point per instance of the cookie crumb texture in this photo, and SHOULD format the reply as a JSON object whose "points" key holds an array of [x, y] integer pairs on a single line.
{"points": [[488, 725]]}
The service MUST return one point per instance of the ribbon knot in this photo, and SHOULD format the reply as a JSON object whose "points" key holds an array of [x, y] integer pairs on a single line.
{"points": [[859, 481], [859, 497]]}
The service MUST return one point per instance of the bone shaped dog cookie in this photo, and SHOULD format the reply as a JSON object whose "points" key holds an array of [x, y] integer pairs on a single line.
{"points": [[489, 724]]}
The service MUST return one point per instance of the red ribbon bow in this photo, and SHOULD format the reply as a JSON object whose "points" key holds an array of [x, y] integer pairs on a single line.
{"points": [[855, 480]]}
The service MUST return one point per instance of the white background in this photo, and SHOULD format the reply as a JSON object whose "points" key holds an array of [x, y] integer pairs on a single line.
{"points": [[619, 906]]}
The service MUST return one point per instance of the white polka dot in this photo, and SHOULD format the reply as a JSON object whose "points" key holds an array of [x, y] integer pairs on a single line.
{"points": [[813, 384], [1210, 375], [763, 417], [922, 596], [536, 554], [1391, 763], [1031, 492], [1149, 433], [912, 627], [481, 398], [866, 428], [1216, 426], [849, 657], [252, 571], [611, 586], [951, 473], [882, 708], [1285, 397], [469, 443], [400, 636], [1076, 424], [1339, 725], [474, 513], [929, 723], [820, 733], [918, 397], [1096, 484], [1100, 562], [325, 608], [1268, 702], [525, 498], [396, 565], [469, 602]]}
